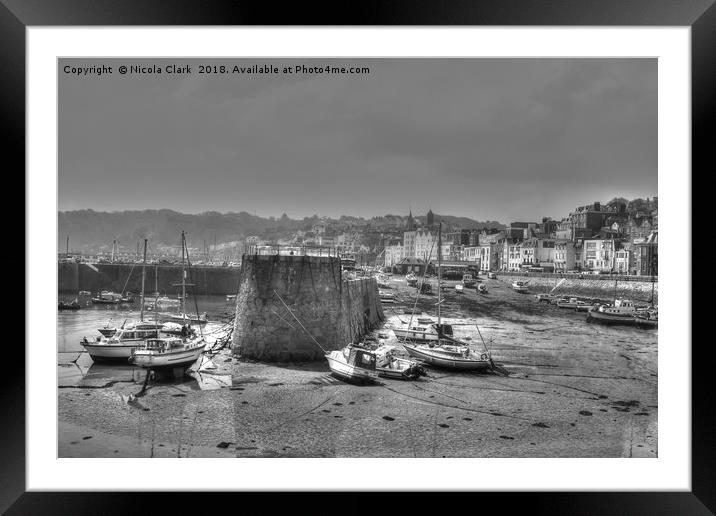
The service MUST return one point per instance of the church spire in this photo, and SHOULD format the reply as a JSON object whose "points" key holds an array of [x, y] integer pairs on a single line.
{"points": [[411, 227]]}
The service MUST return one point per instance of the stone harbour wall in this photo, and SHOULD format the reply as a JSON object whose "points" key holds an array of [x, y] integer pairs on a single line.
{"points": [[333, 311], [600, 288]]}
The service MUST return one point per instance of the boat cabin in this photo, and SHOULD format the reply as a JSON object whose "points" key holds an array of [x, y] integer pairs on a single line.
{"points": [[132, 334], [163, 345], [359, 358]]}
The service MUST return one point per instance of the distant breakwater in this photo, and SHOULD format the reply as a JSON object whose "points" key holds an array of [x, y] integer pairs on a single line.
{"points": [[601, 287], [73, 277]]}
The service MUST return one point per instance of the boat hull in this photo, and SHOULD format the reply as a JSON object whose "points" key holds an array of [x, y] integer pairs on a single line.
{"points": [[168, 360], [349, 372], [596, 316], [105, 352], [463, 364]]}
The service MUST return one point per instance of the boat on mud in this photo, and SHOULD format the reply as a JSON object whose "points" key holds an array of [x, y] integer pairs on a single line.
{"points": [[168, 352], [386, 297], [622, 311], [450, 354], [520, 286], [459, 288], [574, 303], [468, 280], [353, 364], [411, 279], [390, 365], [482, 288]]}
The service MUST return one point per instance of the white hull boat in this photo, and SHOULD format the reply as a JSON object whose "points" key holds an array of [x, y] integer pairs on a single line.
{"points": [[167, 353], [449, 356], [119, 346], [183, 318], [622, 311], [459, 288], [352, 364]]}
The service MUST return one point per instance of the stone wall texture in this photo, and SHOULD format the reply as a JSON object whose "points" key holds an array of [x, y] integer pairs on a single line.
{"points": [[333, 311], [72, 277], [587, 286]]}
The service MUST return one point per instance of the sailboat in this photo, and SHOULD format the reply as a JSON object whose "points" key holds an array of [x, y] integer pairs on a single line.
{"points": [[183, 316], [120, 344], [169, 352], [448, 352]]}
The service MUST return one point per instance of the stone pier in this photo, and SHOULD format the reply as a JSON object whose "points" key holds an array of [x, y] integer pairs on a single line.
{"points": [[333, 311]]}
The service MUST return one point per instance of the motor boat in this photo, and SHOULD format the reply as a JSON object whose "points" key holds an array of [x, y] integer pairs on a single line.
{"points": [[119, 346], [459, 288], [353, 364], [411, 279]]}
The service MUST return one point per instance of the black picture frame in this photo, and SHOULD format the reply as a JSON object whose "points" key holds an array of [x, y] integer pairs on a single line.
{"points": [[700, 15]]}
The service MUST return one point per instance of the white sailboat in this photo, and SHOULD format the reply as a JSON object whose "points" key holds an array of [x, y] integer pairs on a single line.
{"points": [[445, 351], [182, 316], [171, 352]]}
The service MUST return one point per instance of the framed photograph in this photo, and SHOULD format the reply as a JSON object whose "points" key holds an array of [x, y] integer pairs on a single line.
{"points": [[412, 254]]}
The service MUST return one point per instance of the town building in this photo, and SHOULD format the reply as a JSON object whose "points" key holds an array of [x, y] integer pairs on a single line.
{"points": [[564, 256]]}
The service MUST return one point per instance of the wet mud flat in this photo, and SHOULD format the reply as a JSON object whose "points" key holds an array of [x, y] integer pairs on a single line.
{"points": [[575, 390]]}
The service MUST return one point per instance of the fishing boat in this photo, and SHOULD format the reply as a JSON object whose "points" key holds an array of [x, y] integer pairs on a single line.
{"points": [[543, 298], [445, 351], [459, 288], [482, 288], [72, 305], [167, 352], [622, 311], [468, 280], [390, 365], [411, 279], [353, 364], [520, 286]]}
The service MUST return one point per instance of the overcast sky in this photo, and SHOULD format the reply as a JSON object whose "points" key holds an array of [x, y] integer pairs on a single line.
{"points": [[498, 139]]}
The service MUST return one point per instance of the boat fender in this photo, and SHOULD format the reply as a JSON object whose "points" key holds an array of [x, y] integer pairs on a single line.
{"points": [[483, 356]]}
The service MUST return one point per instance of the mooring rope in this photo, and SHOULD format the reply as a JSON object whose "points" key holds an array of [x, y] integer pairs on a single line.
{"points": [[299, 322]]}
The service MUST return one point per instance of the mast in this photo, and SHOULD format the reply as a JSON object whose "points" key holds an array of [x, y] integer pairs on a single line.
{"points": [[440, 277], [183, 277], [144, 272]]}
